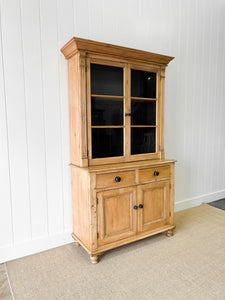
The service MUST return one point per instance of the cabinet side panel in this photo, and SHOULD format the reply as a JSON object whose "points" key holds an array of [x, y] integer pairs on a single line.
{"points": [[75, 134], [80, 200]]}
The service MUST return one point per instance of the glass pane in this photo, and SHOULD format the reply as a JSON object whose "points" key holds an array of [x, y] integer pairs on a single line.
{"points": [[143, 140], [107, 142], [105, 111], [143, 84], [106, 80], [143, 112]]}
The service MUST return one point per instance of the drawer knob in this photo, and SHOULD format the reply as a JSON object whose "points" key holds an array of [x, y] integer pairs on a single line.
{"points": [[156, 173], [140, 205], [117, 178], [135, 207]]}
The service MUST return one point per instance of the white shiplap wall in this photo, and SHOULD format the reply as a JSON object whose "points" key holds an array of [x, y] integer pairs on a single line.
{"points": [[35, 198]]}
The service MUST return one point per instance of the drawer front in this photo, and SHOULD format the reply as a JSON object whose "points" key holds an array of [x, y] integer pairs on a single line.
{"points": [[115, 179], [154, 173]]}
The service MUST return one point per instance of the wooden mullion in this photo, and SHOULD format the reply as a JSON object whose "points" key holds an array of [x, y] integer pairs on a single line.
{"points": [[128, 111]]}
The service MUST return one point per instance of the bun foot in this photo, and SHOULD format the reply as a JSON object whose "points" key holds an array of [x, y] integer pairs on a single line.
{"points": [[94, 259], [77, 244], [169, 232]]}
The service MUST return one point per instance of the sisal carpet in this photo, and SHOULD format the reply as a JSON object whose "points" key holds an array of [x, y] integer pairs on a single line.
{"points": [[189, 265], [5, 293]]}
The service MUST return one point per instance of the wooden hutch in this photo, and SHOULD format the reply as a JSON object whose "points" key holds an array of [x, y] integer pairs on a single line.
{"points": [[122, 185]]}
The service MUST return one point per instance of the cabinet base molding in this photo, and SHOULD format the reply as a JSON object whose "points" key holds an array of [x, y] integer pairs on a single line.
{"points": [[94, 254]]}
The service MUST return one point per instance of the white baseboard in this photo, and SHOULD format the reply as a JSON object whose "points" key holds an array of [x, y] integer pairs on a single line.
{"points": [[196, 201], [22, 249]]}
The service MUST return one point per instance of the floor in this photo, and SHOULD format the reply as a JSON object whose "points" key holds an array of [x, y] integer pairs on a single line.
{"points": [[218, 204], [155, 268], [5, 292]]}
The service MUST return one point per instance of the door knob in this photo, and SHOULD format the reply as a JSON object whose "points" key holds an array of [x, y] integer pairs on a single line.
{"points": [[135, 207], [140, 205], [156, 173], [117, 178]]}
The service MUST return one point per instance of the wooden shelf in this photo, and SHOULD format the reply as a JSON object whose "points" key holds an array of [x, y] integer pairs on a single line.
{"points": [[144, 99], [108, 96]]}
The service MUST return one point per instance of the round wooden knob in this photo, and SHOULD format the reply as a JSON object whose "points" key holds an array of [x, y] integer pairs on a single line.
{"points": [[117, 178]]}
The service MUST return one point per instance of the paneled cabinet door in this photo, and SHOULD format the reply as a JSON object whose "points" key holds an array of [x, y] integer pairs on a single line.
{"points": [[153, 205], [116, 216]]}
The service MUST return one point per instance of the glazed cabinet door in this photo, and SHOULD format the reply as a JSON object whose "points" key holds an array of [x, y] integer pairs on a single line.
{"points": [[106, 109], [116, 215], [153, 205], [145, 112]]}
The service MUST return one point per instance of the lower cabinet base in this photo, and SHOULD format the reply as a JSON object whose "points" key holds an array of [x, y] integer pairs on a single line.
{"points": [[94, 254]]}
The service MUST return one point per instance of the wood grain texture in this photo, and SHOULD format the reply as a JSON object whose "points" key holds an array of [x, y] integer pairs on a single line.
{"points": [[109, 180], [80, 202], [129, 165], [148, 174], [78, 44], [78, 117], [105, 218], [116, 216], [155, 198]]}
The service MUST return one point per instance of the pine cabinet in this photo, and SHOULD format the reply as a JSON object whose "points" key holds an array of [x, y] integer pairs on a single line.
{"points": [[122, 185]]}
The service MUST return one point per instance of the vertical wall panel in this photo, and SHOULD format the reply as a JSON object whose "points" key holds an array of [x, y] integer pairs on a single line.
{"points": [[6, 221], [16, 119], [35, 115], [81, 20], [52, 117], [110, 21], [65, 32], [95, 24]]}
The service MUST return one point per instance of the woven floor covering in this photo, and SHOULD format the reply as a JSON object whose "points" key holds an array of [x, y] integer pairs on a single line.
{"points": [[189, 265]]}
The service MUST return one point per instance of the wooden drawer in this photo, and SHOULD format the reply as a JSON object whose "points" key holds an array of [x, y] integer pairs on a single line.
{"points": [[115, 179], [154, 173]]}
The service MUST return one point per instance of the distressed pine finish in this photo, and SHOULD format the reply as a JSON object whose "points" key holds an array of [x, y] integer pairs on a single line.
{"points": [[78, 44], [116, 200]]}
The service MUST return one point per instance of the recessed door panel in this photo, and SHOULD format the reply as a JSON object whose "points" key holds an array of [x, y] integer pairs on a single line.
{"points": [[116, 216], [153, 199]]}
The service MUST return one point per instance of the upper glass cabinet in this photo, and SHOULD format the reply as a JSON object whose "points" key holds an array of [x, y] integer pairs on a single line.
{"points": [[123, 112], [116, 103]]}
